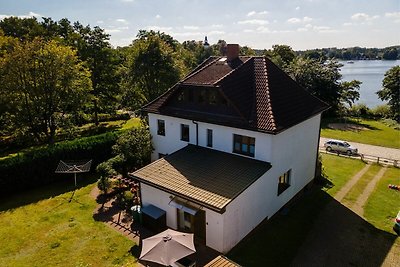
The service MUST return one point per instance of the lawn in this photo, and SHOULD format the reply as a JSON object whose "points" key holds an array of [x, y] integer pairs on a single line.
{"points": [[276, 242], [338, 170], [375, 133], [43, 228], [361, 184], [384, 203]]}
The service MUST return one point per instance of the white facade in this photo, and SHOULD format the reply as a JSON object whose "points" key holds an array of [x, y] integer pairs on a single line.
{"points": [[294, 149]]}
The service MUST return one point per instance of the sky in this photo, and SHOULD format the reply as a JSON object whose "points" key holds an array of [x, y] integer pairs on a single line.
{"points": [[259, 24]]}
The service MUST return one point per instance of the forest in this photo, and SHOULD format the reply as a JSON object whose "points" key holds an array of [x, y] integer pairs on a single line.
{"points": [[57, 76]]}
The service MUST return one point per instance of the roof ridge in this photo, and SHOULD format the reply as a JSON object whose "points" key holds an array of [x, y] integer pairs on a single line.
{"points": [[202, 68], [231, 72], [269, 108]]}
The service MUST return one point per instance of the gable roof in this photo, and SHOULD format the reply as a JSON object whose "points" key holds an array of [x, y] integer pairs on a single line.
{"points": [[204, 176], [260, 96]]}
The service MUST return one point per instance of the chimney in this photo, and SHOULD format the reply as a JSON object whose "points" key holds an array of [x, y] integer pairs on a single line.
{"points": [[232, 51]]}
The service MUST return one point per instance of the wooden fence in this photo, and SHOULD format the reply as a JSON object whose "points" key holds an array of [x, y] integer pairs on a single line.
{"points": [[366, 158]]}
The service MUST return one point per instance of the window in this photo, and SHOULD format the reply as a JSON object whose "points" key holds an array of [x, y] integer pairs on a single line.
{"points": [[161, 127], [284, 182], [244, 145], [185, 132], [209, 137]]}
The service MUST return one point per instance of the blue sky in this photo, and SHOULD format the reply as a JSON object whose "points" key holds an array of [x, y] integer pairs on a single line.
{"points": [[302, 24]]}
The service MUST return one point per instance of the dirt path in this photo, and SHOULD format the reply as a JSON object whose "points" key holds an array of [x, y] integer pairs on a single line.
{"points": [[346, 188], [358, 206]]}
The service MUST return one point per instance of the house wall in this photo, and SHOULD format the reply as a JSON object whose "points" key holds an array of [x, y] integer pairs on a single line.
{"points": [[222, 137], [293, 149], [161, 199]]}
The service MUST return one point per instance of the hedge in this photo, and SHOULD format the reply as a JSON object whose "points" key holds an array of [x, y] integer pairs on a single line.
{"points": [[37, 166]]}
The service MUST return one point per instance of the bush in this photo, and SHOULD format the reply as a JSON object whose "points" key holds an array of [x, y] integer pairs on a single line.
{"points": [[382, 111], [359, 110], [36, 167]]}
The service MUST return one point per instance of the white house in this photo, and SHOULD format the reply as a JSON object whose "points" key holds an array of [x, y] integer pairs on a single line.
{"points": [[234, 141]]}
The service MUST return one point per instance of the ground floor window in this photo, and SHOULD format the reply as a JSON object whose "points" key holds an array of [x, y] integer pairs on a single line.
{"points": [[284, 182]]}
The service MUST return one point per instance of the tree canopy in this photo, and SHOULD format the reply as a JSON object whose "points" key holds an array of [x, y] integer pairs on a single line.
{"points": [[43, 83], [391, 90]]}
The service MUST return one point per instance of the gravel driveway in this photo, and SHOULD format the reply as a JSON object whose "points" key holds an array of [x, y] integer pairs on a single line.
{"points": [[378, 151]]}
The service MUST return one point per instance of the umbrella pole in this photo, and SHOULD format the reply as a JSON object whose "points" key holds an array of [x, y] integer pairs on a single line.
{"points": [[75, 178]]}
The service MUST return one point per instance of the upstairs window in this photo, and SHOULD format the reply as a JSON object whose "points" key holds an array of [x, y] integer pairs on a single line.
{"points": [[244, 145], [161, 127], [209, 137], [284, 182], [185, 132]]}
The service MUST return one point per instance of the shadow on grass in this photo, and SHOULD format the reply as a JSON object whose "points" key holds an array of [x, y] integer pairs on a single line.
{"points": [[352, 121], [33, 195], [317, 231]]}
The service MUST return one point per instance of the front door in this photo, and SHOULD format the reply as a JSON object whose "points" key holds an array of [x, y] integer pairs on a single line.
{"points": [[193, 224]]}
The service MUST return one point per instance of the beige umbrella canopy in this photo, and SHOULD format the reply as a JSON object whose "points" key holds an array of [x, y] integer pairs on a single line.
{"points": [[167, 247]]}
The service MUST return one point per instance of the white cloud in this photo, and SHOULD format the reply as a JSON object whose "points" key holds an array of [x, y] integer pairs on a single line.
{"points": [[362, 17], [347, 24], [299, 20], [302, 30], [217, 26], [113, 29], [122, 21], [254, 13], [262, 29], [216, 33], [100, 21], [393, 15], [294, 20], [297, 8], [248, 30], [190, 27], [30, 15], [159, 28], [158, 16], [253, 22]]}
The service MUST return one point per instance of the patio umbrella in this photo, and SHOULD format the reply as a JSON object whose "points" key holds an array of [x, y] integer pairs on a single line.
{"points": [[167, 247]]}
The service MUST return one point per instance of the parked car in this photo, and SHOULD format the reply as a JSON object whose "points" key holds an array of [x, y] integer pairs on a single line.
{"points": [[340, 146], [396, 226]]}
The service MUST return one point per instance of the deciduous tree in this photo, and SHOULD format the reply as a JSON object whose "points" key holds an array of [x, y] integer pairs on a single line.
{"points": [[391, 90], [45, 82]]}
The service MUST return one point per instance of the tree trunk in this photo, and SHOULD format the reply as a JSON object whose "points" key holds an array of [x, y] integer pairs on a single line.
{"points": [[96, 118]]}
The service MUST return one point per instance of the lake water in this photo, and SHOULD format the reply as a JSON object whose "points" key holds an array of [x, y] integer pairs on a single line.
{"points": [[370, 73]]}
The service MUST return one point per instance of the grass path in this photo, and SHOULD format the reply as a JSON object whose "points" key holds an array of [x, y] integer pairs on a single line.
{"points": [[349, 185], [358, 206]]}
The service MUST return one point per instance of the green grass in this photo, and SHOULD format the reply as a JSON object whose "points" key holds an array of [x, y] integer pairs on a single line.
{"points": [[361, 184], [384, 203], [131, 123], [55, 232], [338, 170], [276, 242], [377, 133]]}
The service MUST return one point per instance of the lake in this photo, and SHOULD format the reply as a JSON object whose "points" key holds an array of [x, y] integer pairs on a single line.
{"points": [[370, 73]]}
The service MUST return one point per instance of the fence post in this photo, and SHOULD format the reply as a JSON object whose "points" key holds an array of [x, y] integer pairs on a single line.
{"points": [[378, 160]]}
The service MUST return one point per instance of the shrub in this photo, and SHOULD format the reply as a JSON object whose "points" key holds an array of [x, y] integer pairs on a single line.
{"points": [[36, 166], [360, 110], [381, 111]]}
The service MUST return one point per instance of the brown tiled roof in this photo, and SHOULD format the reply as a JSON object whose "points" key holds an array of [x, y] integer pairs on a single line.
{"points": [[204, 176], [262, 96], [221, 261]]}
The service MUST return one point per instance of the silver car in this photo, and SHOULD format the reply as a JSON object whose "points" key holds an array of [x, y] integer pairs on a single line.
{"points": [[340, 146]]}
